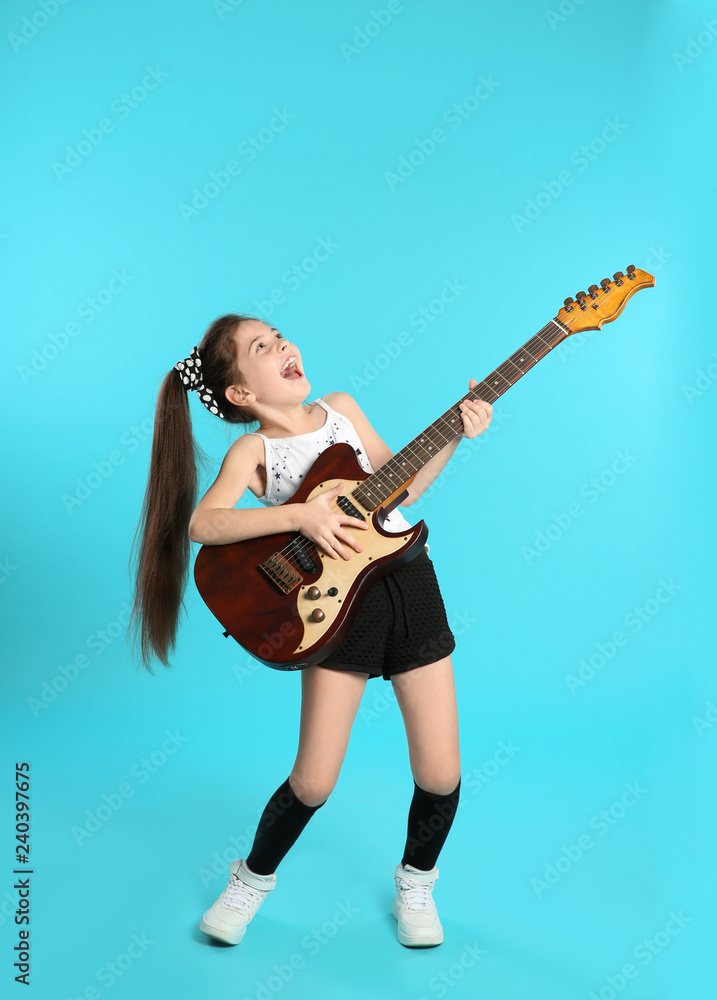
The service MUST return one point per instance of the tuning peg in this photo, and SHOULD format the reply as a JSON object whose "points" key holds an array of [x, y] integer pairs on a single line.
{"points": [[592, 291], [618, 276], [568, 305], [580, 295], [630, 269], [605, 284]]}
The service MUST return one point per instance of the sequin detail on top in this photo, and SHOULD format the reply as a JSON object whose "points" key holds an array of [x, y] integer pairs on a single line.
{"points": [[288, 459]]}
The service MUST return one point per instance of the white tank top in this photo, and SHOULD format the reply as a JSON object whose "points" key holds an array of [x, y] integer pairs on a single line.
{"points": [[288, 459]]}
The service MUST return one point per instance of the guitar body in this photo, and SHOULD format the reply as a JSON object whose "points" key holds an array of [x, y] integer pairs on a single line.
{"points": [[259, 588]]}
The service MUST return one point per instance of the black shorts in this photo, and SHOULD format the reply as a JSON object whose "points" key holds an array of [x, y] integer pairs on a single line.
{"points": [[400, 625]]}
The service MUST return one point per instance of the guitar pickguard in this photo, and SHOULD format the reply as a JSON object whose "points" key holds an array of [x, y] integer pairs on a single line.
{"points": [[338, 576]]}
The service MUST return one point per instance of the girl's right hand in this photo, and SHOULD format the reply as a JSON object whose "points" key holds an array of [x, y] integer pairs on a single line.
{"points": [[323, 525]]}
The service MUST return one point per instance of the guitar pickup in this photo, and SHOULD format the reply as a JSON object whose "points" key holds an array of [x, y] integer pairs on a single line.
{"points": [[348, 508], [299, 552], [280, 573]]}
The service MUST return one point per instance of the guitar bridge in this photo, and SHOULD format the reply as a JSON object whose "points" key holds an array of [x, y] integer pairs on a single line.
{"points": [[280, 572]]}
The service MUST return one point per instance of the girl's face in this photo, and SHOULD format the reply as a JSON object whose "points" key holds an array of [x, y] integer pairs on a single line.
{"points": [[271, 366]]}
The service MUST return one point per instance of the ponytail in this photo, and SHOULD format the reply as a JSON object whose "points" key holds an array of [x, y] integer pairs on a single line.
{"points": [[162, 566]]}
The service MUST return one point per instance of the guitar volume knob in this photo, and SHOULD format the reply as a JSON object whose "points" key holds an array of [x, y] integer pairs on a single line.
{"points": [[317, 615], [313, 593]]}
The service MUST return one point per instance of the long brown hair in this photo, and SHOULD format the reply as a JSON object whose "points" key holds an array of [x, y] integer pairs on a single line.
{"points": [[162, 565]]}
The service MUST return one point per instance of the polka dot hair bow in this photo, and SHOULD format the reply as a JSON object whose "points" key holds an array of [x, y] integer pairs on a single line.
{"points": [[191, 371]]}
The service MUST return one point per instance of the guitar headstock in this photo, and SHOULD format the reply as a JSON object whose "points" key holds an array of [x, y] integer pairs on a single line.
{"points": [[604, 302]]}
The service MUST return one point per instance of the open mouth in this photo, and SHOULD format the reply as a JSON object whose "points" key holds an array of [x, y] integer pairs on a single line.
{"points": [[290, 369]]}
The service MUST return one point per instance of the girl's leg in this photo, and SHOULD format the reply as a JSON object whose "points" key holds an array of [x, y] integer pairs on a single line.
{"points": [[427, 700], [329, 702]]}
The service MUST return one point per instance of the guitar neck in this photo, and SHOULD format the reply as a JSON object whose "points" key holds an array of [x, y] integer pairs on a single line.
{"points": [[393, 475]]}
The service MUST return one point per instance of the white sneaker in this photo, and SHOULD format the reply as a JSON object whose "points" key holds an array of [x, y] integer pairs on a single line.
{"points": [[413, 907], [228, 918]]}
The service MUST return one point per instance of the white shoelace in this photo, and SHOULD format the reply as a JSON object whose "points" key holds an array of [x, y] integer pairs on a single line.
{"points": [[240, 896], [416, 895]]}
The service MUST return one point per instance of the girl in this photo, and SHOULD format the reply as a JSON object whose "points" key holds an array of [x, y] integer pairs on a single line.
{"points": [[246, 372]]}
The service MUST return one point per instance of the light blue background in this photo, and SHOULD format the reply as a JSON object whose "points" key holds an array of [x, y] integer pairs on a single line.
{"points": [[642, 385]]}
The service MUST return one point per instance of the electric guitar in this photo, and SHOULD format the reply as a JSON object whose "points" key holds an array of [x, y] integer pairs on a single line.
{"points": [[287, 602]]}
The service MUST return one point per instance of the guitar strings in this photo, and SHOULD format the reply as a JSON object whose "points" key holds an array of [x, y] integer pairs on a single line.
{"points": [[311, 547]]}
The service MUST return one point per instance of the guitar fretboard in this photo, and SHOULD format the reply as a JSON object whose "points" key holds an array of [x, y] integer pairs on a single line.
{"points": [[394, 473]]}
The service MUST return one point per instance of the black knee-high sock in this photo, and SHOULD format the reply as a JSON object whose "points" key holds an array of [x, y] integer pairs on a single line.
{"points": [[429, 820], [283, 819]]}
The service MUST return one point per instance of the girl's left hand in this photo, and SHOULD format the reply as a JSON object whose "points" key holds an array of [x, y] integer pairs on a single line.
{"points": [[476, 414]]}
